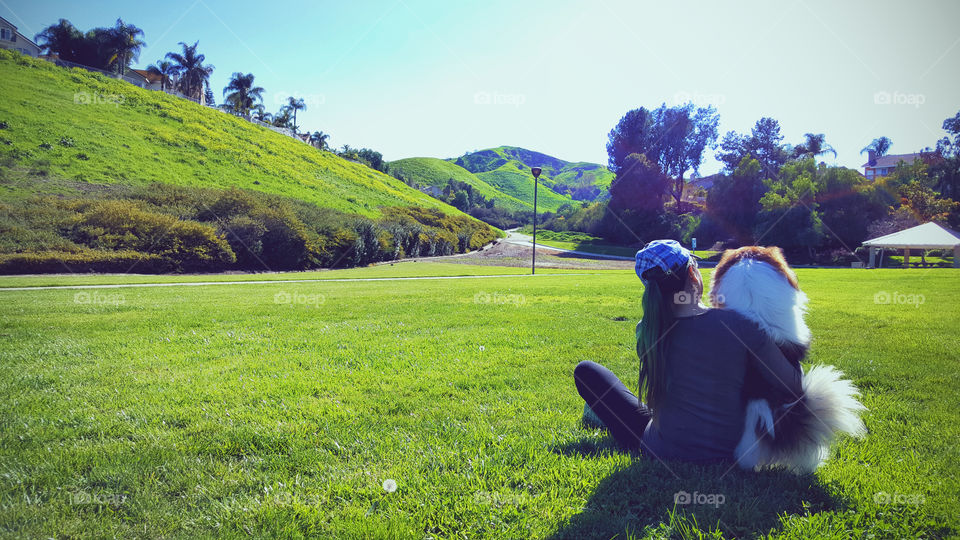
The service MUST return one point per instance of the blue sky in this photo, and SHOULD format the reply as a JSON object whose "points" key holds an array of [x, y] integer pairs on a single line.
{"points": [[418, 78]]}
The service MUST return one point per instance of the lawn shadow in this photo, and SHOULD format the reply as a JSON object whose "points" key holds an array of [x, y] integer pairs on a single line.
{"points": [[650, 495]]}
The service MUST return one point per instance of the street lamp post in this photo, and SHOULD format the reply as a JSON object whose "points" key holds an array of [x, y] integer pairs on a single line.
{"points": [[536, 176]]}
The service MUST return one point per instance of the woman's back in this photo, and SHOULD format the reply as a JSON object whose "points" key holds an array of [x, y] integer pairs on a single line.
{"points": [[702, 410]]}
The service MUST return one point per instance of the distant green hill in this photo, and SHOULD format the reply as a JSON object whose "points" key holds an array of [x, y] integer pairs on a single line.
{"points": [[77, 125], [437, 172], [503, 175], [508, 168]]}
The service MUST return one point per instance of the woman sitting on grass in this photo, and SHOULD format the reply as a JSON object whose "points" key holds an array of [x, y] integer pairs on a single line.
{"points": [[694, 364]]}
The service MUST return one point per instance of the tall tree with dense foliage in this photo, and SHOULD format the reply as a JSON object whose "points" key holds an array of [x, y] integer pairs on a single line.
{"points": [[947, 171], [60, 39], [764, 143], [192, 72], [635, 211], [674, 138], [126, 45], [789, 215], [241, 94], [733, 203]]}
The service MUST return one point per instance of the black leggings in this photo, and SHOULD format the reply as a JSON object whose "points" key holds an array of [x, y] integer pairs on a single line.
{"points": [[621, 411]]}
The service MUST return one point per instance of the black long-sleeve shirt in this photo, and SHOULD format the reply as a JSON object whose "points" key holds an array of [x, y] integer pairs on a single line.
{"points": [[709, 358]]}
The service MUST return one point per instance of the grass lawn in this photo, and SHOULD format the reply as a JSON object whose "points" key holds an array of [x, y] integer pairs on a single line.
{"points": [[281, 410]]}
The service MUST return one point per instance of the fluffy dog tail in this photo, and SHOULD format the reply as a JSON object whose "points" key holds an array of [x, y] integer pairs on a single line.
{"points": [[800, 437]]}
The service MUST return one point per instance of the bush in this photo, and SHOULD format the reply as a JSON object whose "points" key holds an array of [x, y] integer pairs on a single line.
{"points": [[84, 261], [123, 226]]}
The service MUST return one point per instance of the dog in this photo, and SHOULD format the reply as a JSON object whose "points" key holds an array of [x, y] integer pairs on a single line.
{"points": [[758, 283]]}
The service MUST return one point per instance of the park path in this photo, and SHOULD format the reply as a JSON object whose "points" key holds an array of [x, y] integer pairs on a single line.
{"points": [[520, 239], [270, 281]]}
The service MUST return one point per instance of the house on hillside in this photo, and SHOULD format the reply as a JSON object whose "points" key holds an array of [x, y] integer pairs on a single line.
{"points": [[875, 167], [151, 81], [10, 38]]}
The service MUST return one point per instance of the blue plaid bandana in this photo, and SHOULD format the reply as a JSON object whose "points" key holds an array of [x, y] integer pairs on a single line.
{"points": [[668, 255]]}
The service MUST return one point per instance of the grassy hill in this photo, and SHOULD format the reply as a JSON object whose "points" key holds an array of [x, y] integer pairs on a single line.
{"points": [[77, 125], [97, 174], [436, 172], [508, 168]]}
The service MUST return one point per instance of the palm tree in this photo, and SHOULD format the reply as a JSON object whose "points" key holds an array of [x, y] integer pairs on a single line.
{"points": [[193, 74], [319, 139], [296, 105], [241, 93], [282, 118], [260, 113], [814, 145], [879, 146], [126, 45], [166, 70], [60, 39]]}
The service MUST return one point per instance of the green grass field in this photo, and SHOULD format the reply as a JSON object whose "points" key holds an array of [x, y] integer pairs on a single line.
{"points": [[281, 410]]}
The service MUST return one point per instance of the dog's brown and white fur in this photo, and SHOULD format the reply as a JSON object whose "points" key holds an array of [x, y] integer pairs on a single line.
{"points": [[758, 283]]}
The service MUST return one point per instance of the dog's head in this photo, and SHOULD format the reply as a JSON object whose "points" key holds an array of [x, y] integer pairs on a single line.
{"points": [[758, 283], [772, 256]]}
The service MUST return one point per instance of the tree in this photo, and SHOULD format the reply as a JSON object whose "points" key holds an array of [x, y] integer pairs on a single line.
{"points": [[789, 217], [208, 98], [636, 208], [319, 140], [847, 203], [240, 93], [947, 171], [734, 202], [880, 146], [193, 73], [126, 45], [164, 69], [282, 117], [296, 105], [814, 144], [672, 137], [260, 114], [61, 39], [764, 144], [113, 48], [924, 203]]}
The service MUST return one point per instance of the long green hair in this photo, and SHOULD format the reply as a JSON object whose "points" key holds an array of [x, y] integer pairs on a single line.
{"points": [[658, 318]]}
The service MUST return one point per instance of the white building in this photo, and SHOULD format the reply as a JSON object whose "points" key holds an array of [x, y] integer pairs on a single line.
{"points": [[11, 39]]}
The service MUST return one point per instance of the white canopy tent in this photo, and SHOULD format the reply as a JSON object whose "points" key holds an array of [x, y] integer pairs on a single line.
{"points": [[922, 237]]}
